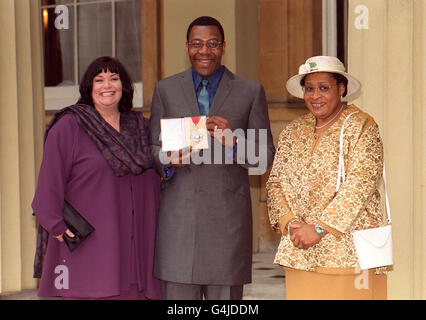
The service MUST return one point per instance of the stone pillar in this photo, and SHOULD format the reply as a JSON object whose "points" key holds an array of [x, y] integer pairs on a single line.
{"points": [[151, 52], [21, 130], [386, 51]]}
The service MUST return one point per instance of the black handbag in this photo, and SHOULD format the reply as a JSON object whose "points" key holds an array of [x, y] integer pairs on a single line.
{"points": [[77, 225]]}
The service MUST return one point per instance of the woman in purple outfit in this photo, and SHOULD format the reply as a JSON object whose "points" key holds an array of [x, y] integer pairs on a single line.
{"points": [[97, 157]]}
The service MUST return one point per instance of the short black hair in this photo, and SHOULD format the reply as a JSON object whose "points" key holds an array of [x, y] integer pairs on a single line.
{"points": [[340, 79], [205, 21], [103, 64]]}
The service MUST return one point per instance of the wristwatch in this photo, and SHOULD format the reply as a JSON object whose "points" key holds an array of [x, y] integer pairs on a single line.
{"points": [[319, 229]]}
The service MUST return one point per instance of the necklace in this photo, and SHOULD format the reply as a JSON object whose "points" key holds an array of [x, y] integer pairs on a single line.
{"points": [[328, 122]]}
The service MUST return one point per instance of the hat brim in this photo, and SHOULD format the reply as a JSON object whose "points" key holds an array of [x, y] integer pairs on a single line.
{"points": [[293, 84]]}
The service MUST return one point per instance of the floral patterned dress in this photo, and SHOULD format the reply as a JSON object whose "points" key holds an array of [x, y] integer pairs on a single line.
{"points": [[302, 185]]}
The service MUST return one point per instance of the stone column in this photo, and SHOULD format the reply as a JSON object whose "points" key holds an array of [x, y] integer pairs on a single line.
{"points": [[386, 51], [21, 129]]}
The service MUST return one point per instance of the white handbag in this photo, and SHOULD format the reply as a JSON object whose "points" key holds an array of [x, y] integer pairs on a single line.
{"points": [[373, 246]]}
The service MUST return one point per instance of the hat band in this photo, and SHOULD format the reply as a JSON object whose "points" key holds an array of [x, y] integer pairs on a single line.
{"points": [[313, 66]]}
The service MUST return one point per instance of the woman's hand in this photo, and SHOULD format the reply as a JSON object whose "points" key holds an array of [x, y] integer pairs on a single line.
{"points": [[61, 238], [304, 235]]}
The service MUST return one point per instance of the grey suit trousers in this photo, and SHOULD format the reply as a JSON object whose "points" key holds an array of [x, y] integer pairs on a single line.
{"points": [[183, 291]]}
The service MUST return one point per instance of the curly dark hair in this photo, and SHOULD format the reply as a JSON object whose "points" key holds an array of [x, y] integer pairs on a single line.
{"points": [[103, 64]]}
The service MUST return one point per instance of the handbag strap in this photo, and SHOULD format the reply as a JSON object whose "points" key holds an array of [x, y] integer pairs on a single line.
{"points": [[341, 176], [386, 196], [341, 172]]}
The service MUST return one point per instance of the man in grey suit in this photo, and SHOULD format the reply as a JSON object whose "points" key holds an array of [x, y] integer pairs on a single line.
{"points": [[204, 233]]}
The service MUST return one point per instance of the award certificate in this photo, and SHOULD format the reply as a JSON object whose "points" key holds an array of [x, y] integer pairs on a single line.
{"points": [[179, 133]]}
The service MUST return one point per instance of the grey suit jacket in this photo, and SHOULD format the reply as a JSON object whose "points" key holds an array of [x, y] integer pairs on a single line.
{"points": [[204, 232]]}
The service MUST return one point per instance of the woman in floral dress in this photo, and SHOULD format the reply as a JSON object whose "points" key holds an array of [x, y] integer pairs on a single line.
{"points": [[317, 219]]}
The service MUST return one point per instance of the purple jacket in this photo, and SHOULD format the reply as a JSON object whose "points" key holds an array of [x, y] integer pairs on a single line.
{"points": [[123, 211]]}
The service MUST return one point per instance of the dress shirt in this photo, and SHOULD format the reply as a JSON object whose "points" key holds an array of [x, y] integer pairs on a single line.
{"points": [[214, 81]]}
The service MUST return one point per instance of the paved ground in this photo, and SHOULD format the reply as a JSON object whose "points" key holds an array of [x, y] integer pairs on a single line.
{"points": [[268, 282], [268, 279]]}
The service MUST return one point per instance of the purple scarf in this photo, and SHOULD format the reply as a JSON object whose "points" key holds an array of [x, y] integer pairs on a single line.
{"points": [[127, 151]]}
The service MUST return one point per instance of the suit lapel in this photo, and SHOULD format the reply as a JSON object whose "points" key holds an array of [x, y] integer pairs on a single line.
{"points": [[187, 84], [222, 92]]}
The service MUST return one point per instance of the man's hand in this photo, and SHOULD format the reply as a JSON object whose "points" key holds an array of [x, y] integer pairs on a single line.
{"points": [[221, 130]]}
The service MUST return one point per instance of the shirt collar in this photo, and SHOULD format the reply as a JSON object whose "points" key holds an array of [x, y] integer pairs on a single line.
{"points": [[213, 79]]}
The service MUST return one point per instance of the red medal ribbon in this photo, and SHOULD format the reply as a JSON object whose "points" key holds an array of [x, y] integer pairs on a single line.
{"points": [[196, 119]]}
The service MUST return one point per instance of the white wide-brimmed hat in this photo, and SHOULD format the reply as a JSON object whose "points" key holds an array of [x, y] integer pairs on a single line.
{"points": [[322, 64]]}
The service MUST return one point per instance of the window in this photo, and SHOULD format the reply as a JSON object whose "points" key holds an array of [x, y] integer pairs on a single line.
{"points": [[335, 28], [75, 32]]}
